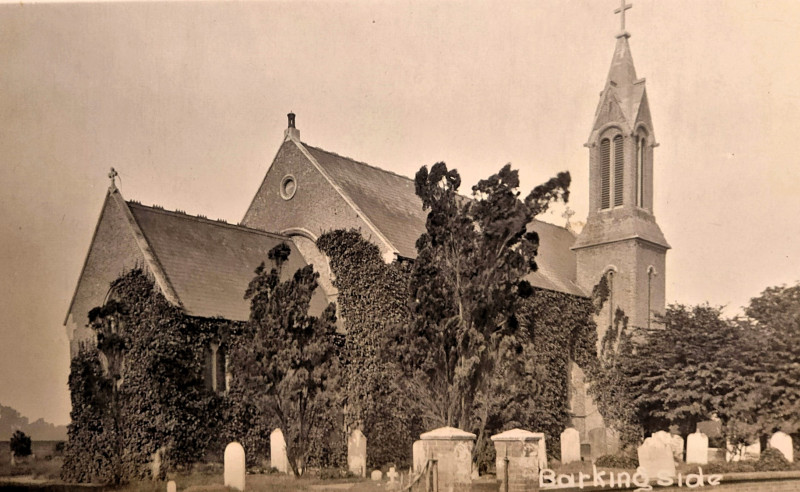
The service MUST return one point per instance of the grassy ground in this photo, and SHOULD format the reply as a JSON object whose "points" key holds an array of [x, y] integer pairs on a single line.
{"points": [[45, 464]]}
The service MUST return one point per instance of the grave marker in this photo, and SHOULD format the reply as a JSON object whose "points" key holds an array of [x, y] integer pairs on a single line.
{"points": [[783, 443], [357, 453], [570, 445], [697, 448], [655, 458], [277, 451], [234, 466]]}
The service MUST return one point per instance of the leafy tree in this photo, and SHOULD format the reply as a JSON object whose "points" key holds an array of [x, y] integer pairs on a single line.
{"points": [[20, 444], [285, 361], [775, 317], [466, 285]]}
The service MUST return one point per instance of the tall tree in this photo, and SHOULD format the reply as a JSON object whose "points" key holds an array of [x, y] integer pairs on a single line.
{"points": [[285, 361], [466, 286]]}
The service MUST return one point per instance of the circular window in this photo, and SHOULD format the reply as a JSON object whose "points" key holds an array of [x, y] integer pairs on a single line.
{"points": [[288, 187]]}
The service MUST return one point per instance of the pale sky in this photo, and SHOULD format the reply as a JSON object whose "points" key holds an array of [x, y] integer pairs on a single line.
{"points": [[188, 102]]}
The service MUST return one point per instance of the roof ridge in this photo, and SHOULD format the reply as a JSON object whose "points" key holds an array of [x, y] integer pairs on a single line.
{"points": [[359, 162], [203, 219]]}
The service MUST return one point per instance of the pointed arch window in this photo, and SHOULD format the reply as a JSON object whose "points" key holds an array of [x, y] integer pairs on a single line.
{"points": [[619, 169], [640, 142], [605, 173]]}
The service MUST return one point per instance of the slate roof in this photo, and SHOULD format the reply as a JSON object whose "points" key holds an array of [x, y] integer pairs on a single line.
{"points": [[390, 202], [209, 263]]}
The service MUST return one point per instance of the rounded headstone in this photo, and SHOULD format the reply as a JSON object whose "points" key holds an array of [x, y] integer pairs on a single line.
{"points": [[376, 475], [234, 466], [171, 486], [783, 443], [570, 445]]}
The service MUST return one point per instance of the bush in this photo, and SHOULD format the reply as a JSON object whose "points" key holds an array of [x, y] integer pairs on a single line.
{"points": [[731, 467], [772, 460], [20, 444], [617, 461]]}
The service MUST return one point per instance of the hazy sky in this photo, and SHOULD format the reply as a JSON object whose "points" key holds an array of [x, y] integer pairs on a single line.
{"points": [[188, 102]]}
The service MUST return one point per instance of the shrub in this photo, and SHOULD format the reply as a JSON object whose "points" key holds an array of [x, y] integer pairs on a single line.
{"points": [[617, 461], [731, 467], [772, 460], [20, 444]]}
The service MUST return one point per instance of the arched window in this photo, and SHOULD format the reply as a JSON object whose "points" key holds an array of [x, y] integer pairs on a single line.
{"points": [[215, 371], [605, 174], [640, 143], [619, 168]]}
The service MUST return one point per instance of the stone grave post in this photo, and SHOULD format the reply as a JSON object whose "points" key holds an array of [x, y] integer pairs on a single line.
{"points": [[655, 457], [234, 466], [604, 440], [357, 453], [783, 443], [277, 451], [453, 449], [697, 448], [570, 445], [521, 451]]}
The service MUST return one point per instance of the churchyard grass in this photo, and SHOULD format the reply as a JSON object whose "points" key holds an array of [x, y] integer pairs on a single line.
{"points": [[203, 482], [46, 464]]}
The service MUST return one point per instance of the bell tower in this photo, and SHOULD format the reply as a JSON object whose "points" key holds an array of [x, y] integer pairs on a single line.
{"points": [[621, 239]]}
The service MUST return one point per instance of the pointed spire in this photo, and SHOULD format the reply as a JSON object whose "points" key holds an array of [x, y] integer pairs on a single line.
{"points": [[622, 71]]}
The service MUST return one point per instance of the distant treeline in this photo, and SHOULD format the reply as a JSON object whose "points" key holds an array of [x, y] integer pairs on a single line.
{"points": [[11, 420]]}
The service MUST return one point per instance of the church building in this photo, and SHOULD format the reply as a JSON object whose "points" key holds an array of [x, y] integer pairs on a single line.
{"points": [[204, 266]]}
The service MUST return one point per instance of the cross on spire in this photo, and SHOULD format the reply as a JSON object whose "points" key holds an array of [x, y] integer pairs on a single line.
{"points": [[621, 10], [113, 176]]}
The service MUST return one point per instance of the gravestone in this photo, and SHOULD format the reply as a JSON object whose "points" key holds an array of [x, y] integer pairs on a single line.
{"points": [[418, 457], [655, 458], [604, 441], [172, 486], [570, 445], [277, 451], [376, 475], [522, 449], [392, 476], [357, 453], [676, 443], [697, 448], [663, 436], [452, 448], [783, 443], [155, 464], [586, 451], [234, 466]]}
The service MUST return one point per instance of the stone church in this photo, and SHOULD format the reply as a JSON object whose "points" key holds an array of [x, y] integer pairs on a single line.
{"points": [[204, 266]]}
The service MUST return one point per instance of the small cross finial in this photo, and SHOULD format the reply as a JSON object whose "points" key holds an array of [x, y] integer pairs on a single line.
{"points": [[621, 10], [568, 213], [113, 176]]}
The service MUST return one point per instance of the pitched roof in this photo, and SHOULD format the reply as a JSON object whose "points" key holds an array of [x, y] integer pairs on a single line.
{"points": [[390, 202], [209, 263]]}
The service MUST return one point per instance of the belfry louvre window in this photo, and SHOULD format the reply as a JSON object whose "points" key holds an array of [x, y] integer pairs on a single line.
{"points": [[619, 167], [640, 172], [605, 173]]}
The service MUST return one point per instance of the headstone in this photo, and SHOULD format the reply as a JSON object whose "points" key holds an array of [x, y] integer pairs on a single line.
{"points": [[376, 475], [357, 453], [418, 456], [663, 436], [522, 451], [155, 464], [277, 451], [570, 445], [697, 448], [172, 486], [234, 466], [604, 440], [452, 449], [783, 443], [655, 458], [392, 476], [676, 443]]}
